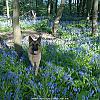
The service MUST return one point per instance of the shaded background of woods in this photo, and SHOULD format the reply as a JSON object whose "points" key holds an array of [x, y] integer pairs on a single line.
{"points": [[55, 10]]}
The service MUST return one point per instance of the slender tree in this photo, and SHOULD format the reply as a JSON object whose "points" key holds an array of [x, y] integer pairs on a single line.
{"points": [[70, 6], [36, 6], [48, 7], [51, 6], [80, 6], [94, 17], [16, 27], [89, 9], [7, 6], [56, 2], [58, 17], [77, 7], [83, 7]]}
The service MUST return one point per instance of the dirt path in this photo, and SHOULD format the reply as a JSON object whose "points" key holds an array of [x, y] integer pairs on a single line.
{"points": [[46, 38]]}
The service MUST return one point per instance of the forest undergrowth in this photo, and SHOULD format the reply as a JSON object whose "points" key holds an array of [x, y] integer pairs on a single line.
{"points": [[68, 71]]}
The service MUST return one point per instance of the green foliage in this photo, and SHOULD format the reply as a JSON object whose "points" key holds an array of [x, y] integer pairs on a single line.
{"points": [[43, 26], [27, 27], [5, 29]]}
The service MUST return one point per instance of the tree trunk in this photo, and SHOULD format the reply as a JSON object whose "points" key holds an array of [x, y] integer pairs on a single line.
{"points": [[83, 7], [36, 7], [88, 9], [58, 17], [78, 7], [91, 7], [51, 6], [7, 6], [56, 7], [48, 8], [16, 27], [70, 1], [94, 17]]}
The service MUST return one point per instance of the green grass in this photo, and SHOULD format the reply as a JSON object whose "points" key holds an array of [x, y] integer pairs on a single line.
{"points": [[5, 29]]}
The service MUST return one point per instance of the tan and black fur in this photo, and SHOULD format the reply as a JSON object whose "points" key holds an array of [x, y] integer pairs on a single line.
{"points": [[34, 53]]}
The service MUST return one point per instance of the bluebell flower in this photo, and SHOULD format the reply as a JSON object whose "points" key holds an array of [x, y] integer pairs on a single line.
{"points": [[2, 63], [98, 90], [27, 70], [64, 91], [83, 97], [20, 73], [81, 73], [58, 95], [17, 90], [35, 85], [4, 55], [86, 98], [10, 74], [68, 77], [7, 96], [95, 83], [49, 63], [55, 98], [43, 67], [3, 77], [12, 61], [54, 84], [52, 91], [49, 84], [53, 78], [45, 74], [91, 93], [95, 58], [30, 67], [78, 89], [57, 90], [75, 89], [23, 58], [1, 50], [31, 82], [13, 52], [40, 85], [71, 94], [68, 87], [39, 97]]}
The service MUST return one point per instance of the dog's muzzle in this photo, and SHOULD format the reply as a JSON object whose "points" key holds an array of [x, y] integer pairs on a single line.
{"points": [[35, 52]]}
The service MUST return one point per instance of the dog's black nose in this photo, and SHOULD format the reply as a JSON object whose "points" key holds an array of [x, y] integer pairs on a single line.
{"points": [[35, 49]]}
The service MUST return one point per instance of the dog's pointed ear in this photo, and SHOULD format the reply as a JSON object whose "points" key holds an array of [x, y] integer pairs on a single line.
{"points": [[39, 39], [30, 39]]}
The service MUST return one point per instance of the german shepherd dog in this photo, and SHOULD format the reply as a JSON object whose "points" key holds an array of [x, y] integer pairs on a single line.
{"points": [[34, 53]]}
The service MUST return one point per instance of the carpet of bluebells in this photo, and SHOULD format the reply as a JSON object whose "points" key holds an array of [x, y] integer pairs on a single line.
{"points": [[70, 72]]}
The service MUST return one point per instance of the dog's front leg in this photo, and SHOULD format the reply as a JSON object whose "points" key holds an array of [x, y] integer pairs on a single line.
{"points": [[36, 71], [37, 68]]}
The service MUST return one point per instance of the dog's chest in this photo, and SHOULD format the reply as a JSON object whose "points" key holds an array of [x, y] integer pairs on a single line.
{"points": [[37, 57]]}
